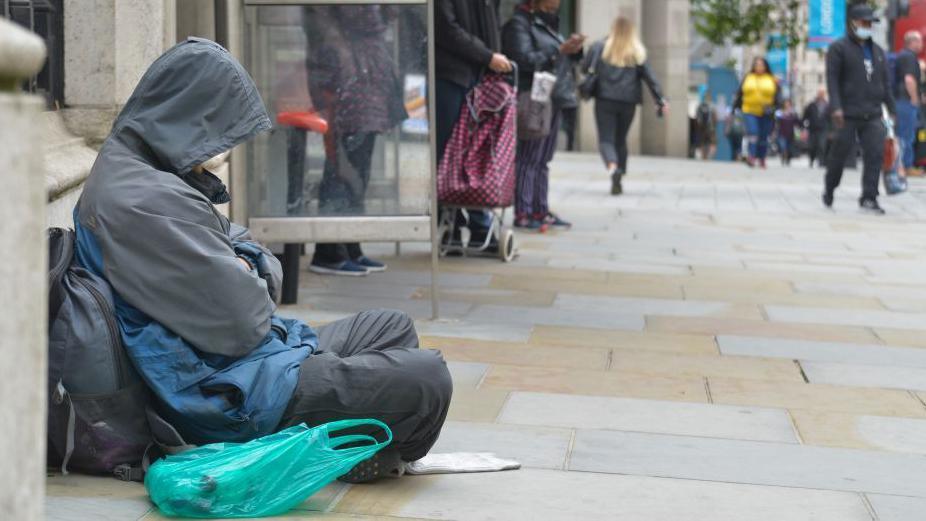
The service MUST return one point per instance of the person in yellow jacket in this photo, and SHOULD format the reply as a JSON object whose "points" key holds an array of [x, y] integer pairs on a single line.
{"points": [[758, 97]]}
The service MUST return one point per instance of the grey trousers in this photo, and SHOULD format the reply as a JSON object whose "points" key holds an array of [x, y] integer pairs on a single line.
{"points": [[369, 366]]}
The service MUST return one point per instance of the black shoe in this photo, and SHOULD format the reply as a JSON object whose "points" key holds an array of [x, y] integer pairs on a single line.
{"points": [[828, 199], [616, 187], [870, 206], [384, 464]]}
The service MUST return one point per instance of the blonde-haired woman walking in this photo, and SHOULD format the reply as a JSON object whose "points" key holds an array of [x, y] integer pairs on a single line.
{"points": [[617, 67]]}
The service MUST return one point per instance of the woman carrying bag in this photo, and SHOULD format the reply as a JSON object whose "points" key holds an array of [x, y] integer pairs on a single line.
{"points": [[615, 70], [531, 39], [758, 97]]}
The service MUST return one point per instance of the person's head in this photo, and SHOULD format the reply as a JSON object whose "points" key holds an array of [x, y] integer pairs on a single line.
{"points": [[821, 94], [913, 41], [546, 6], [861, 18], [623, 47], [786, 104], [760, 66]]}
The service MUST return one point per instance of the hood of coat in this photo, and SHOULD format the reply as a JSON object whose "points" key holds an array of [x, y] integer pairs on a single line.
{"points": [[194, 102]]}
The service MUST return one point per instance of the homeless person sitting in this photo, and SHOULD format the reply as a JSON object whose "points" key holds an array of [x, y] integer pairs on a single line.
{"points": [[195, 296]]}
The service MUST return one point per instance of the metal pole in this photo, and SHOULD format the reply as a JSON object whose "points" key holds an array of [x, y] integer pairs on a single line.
{"points": [[432, 138]]}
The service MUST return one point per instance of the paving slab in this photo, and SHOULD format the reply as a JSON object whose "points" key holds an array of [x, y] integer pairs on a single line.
{"points": [[857, 375], [731, 326], [676, 364], [638, 288], [884, 402], [551, 495], [760, 463], [886, 433], [667, 417], [467, 374], [591, 318], [476, 405], [839, 352], [627, 340], [870, 318], [897, 508], [514, 353], [532, 446], [599, 383], [642, 306], [476, 330], [900, 337]]}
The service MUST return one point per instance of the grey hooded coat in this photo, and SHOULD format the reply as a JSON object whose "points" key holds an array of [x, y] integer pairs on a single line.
{"points": [[198, 325]]}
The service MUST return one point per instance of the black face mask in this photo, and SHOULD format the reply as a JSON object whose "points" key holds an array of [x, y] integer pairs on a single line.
{"points": [[209, 185], [551, 19]]}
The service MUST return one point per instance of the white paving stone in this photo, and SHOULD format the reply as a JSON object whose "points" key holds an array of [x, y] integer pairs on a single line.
{"points": [[549, 495], [467, 374], [653, 416], [759, 463], [898, 508], [894, 434], [641, 306], [910, 378], [847, 317], [867, 354], [501, 332]]}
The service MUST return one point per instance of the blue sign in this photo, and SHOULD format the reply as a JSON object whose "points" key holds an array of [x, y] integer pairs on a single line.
{"points": [[827, 22], [777, 56]]}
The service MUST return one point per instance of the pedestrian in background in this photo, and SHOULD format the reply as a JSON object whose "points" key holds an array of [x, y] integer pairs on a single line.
{"points": [[619, 61], [757, 98], [815, 122], [858, 84], [908, 95], [734, 130], [786, 123], [707, 127], [531, 38]]}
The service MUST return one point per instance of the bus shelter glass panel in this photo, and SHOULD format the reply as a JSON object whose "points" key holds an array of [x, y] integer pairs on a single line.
{"points": [[346, 86]]}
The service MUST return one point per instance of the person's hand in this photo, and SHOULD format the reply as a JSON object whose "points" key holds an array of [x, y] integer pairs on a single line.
{"points": [[665, 108], [573, 45], [500, 63], [245, 263], [839, 118]]}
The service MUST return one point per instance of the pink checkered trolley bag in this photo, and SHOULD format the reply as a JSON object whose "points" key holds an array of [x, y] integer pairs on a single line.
{"points": [[477, 171]]}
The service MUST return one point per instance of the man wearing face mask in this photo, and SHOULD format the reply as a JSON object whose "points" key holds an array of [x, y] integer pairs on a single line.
{"points": [[195, 297], [858, 84]]}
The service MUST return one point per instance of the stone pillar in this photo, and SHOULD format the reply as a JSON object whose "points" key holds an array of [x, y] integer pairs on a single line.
{"points": [[665, 34], [23, 324], [594, 19], [196, 18], [108, 45]]}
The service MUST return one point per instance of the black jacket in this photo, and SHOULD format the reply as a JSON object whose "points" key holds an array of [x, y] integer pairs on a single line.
{"points": [[532, 44], [851, 88], [816, 119], [621, 83], [466, 36]]}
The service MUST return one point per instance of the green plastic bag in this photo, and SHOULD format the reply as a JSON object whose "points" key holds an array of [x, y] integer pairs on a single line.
{"points": [[263, 477]]}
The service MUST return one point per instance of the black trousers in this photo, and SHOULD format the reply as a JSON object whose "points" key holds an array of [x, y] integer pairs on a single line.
{"points": [[816, 147], [613, 119], [343, 187], [870, 134], [370, 366]]}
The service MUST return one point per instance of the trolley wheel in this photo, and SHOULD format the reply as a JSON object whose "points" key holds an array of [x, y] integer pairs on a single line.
{"points": [[506, 245]]}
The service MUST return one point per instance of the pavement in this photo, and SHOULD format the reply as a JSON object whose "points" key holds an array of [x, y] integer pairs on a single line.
{"points": [[712, 345]]}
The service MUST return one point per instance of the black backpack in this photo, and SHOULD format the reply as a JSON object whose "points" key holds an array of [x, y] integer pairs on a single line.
{"points": [[97, 419]]}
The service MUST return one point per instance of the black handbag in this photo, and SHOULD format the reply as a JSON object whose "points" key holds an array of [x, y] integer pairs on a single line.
{"points": [[589, 85]]}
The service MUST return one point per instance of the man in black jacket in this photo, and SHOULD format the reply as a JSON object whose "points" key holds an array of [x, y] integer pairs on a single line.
{"points": [[858, 83], [815, 122]]}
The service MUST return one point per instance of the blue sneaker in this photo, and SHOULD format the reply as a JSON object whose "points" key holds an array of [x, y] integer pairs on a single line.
{"points": [[556, 222], [344, 268], [370, 264]]}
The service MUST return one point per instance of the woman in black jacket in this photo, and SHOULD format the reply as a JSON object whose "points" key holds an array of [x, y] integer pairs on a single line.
{"points": [[532, 40], [619, 62]]}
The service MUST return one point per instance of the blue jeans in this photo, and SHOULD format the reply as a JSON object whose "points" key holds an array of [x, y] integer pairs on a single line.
{"points": [[758, 129], [907, 119]]}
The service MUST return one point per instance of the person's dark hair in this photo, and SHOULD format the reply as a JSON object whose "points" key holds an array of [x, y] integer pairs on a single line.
{"points": [[755, 61]]}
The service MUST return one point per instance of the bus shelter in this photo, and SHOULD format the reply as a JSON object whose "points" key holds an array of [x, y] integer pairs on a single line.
{"points": [[350, 156]]}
